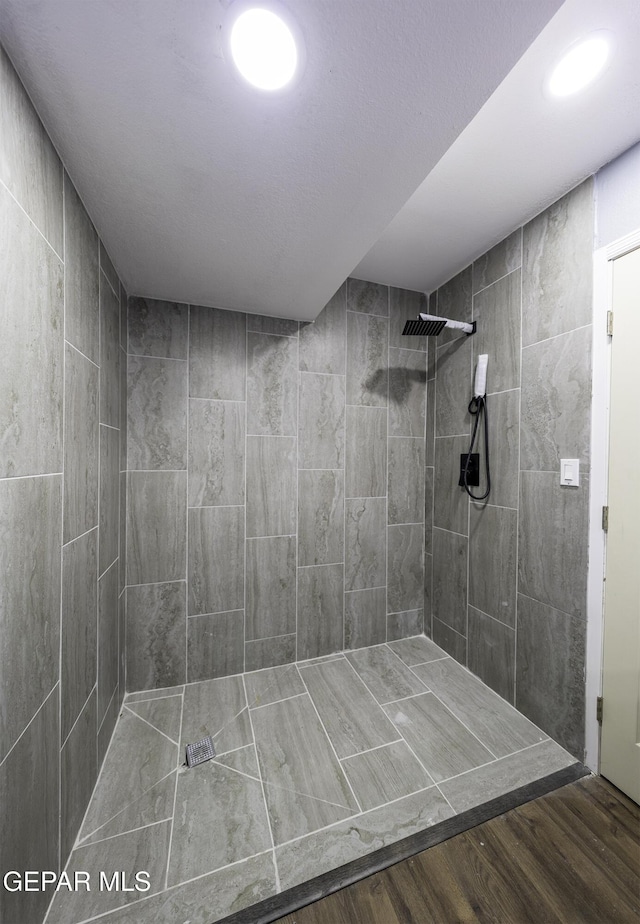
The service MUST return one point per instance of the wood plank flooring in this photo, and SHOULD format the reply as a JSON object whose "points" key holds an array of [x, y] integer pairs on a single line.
{"points": [[570, 857]]}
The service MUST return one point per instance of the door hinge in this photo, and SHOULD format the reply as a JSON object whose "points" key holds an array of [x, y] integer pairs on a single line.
{"points": [[605, 518], [610, 323], [599, 710]]}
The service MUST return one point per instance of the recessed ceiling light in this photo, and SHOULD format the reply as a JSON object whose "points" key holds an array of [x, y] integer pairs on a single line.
{"points": [[580, 66], [263, 48]]}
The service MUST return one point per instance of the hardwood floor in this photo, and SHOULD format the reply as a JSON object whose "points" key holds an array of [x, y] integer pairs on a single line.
{"points": [[572, 856]]}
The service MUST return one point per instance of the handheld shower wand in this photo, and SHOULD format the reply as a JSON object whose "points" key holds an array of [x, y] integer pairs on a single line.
{"points": [[478, 408]]}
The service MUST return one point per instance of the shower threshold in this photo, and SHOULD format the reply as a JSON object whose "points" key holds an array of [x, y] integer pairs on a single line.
{"points": [[324, 771]]}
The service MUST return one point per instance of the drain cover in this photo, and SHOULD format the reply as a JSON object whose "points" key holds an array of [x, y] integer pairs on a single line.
{"points": [[200, 751]]}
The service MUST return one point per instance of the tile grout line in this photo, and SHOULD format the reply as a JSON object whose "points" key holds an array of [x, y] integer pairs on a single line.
{"points": [[127, 706], [378, 747], [457, 717], [111, 837], [175, 798], [34, 225], [335, 753], [60, 742], [80, 841], [264, 795]]}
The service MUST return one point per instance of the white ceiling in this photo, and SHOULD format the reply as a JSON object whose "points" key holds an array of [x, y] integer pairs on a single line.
{"points": [[417, 137]]}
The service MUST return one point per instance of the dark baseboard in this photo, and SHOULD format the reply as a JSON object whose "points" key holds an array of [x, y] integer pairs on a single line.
{"points": [[270, 909]]}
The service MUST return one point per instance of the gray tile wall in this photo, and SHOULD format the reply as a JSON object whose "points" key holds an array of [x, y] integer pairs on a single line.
{"points": [[275, 484], [63, 435], [505, 587]]}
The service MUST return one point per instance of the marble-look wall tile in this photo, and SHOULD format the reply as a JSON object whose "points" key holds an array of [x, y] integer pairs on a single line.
{"points": [[405, 304], [107, 267], [556, 402], [271, 486], [107, 639], [32, 316], [365, 542], [498, 262], [504, 447], [428, 593], [451, 502], [105, 731], [217, 354], [81, 445], [428, 509], [322, 343], [30, 167], [365, 617], [492, 651], [271, 587], [322, 421], [550, 665], [156, 413], [407, 393], [272, 378], [155, 649], [367, 297], [405, 625], [158, 328], [156, 526], [215, 645], [320, 517], [78, 774], [79, 626], [493, 538], [29, 795], [269, 652], [453, 388], [452, 642], [320, 610], [497, 312], [122, 421], [282, 327], [450, 581], [216, 453], [367, 360], [557, 272], [109, 497], [431, 422], [406, 480], [553, 541], [124, 318], [81, 276], [216, 559], [366, 455], [109, 355], [122, 533], [30, 529], [405, 567], [454, 301]]}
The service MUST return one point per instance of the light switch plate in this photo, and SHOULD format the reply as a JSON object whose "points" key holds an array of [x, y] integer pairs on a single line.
{"points": [[570, 472]]}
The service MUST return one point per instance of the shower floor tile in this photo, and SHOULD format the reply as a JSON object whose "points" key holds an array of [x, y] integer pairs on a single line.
{"points": [[317, 764]]}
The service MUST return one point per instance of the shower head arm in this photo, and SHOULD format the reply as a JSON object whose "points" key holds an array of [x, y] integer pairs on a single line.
{"points": [[456, 325]]}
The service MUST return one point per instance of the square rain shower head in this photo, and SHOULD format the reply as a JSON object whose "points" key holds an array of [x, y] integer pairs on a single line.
{"points": [[420, 328]]}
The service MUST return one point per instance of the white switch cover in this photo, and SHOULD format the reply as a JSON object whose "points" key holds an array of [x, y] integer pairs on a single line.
{"points": [[570, 472]]}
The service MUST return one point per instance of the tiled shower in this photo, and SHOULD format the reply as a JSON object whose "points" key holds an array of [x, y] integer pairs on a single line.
{"points": [[188, 493]]}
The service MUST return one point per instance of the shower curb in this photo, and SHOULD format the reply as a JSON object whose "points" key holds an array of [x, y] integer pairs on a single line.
{"points": [[276, 906]]}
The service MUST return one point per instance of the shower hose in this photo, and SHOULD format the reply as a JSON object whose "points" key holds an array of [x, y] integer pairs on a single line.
{"points": [[478, 408]]}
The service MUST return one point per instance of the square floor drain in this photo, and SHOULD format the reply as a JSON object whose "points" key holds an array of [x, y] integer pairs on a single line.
{"points": [[200, 751]]}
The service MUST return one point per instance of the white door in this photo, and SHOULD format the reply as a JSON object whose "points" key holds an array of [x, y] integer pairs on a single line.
{"points": [[620, 744]]}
